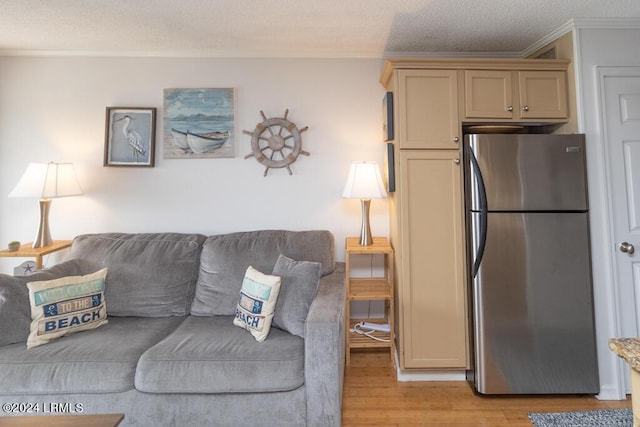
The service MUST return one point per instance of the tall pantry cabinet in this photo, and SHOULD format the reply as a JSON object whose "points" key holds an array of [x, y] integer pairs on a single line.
{"points": [[427, 222], [433, 98]]}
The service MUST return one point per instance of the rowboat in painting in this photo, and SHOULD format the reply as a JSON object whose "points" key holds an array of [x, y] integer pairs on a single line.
{"points": [[203, 142], [198, 142], [180, 139]]}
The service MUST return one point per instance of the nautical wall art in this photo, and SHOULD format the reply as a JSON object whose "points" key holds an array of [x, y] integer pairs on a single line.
{"points": [[130, 136], [276, 142], [198, 123]]}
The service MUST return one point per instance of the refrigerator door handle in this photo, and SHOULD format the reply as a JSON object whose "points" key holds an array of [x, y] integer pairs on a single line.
{"points": [[482, 201]]}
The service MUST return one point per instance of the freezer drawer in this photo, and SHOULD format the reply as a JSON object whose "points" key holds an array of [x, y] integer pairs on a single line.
{"points": [[533, 306], [529, 172]]}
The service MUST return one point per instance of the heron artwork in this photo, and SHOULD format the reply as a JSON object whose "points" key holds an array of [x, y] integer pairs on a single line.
{"points": [[132, 137]]}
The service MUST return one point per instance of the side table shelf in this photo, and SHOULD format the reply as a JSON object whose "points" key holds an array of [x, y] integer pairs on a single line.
{"points": [[26, 251], [370, 289]]}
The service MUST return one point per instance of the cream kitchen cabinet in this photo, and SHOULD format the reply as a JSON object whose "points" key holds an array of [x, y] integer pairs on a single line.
{"points": [[432, 320], [515, 95], [433, 99], [427, 109]]}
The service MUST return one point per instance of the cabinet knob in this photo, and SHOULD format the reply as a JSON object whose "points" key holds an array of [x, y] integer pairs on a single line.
{"points": [[457, 161], [455, 139], [510, 108], [525, 108]]}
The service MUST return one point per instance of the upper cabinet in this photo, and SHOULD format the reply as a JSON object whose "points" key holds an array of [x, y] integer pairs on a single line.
{"points": [[515, 95], [428, 109], [486, 90], [488, 94], [543, 94]]}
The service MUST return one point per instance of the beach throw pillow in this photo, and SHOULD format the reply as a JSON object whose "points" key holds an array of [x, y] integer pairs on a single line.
{"points": [[257, 303], [66, 305], [298, 289]]}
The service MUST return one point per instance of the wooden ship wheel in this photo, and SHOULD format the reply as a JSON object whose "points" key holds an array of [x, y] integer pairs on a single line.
{"points": [[276, 142]]}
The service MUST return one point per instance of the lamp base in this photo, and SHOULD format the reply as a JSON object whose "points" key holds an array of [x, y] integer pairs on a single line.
{"points": [[365, 231], [43, 235]]}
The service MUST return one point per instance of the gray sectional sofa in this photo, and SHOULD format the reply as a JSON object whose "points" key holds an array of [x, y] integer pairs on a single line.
{"points": [[170, 354]]}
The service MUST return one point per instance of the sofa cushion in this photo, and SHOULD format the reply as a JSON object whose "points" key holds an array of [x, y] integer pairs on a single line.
{"points": [[257, 302], [95, 362], [225, 259], [66, 305], [15, 310], [150, 275], [211, 355], [298, 289]]}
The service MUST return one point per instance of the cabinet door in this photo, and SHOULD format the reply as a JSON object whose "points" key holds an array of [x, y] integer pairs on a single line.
{"points": [[431, 281], [488, 94], [428, 109], [543, 94]]}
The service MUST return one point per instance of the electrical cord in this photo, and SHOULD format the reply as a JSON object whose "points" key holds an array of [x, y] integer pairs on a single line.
{"points": [[357, 328]]}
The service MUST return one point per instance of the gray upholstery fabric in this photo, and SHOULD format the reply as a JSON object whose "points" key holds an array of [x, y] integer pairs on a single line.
{"points": [[299, 284], [150, 275], [211, 355], [324, 351], [277, 409], [100, 361], [225, 259], [15, 311], [92, 361]]}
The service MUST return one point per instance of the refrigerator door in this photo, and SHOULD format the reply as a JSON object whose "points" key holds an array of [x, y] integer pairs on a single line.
{"points": [[529, 172], [533, 306]]}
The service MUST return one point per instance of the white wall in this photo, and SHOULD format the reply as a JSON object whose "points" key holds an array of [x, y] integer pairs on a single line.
{"points": [[53, 109], [603, 45]]}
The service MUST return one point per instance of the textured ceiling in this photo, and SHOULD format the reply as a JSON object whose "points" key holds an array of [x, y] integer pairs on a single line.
{"points": [[341, 28]]}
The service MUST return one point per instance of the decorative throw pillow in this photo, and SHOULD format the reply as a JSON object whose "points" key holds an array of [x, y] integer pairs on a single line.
{"points": [[299, 286], [258, 297], [66, 305]]}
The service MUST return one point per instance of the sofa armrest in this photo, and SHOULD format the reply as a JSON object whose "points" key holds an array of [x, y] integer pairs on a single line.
{"points": [[324, 351]]}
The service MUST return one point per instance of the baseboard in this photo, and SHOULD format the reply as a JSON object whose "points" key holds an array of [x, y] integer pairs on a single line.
{"points": [[405, 376], [610, 393], [421, 375]]}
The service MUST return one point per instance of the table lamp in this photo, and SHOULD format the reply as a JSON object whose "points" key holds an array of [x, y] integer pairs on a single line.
{"points": [[365, 183], [46, 181]]}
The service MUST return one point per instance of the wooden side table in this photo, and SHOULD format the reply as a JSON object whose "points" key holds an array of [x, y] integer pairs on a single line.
{"points": [[102, 420], [26, 251], [370, 289]]}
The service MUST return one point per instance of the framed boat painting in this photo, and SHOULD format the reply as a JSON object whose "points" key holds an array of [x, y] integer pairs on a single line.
{"points": [[130, 136], [198, 123]]}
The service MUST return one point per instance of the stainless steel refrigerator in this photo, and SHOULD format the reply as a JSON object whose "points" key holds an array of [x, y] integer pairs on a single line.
{"points": [[529, 265]]}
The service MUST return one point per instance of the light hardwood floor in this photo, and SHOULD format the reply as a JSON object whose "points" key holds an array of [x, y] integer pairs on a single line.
{"points": [[373, 397]]}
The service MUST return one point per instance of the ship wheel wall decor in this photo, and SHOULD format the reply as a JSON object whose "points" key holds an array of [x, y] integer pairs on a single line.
{"points": [[276, 142]]}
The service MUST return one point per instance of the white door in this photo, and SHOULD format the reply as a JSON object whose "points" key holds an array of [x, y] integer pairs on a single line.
{"points": [[621, 98]]}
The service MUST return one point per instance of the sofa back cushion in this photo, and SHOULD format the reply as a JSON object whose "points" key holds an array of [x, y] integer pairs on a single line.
{"points": [[150, 275], [225, 259]]}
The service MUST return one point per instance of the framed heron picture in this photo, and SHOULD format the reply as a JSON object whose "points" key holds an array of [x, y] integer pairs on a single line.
{"points": [[130, 136]]}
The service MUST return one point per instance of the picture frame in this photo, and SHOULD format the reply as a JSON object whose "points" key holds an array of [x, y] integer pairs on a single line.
{"points": [[130, 136], [387, 116], [198, 123], [391, 169]]}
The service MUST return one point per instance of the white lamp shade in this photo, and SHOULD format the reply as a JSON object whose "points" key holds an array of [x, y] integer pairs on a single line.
{"points": [[364, 182], [47, 181]]}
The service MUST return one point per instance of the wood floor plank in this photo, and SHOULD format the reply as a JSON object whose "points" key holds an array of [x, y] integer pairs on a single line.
{"points": [[373, 397]]}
